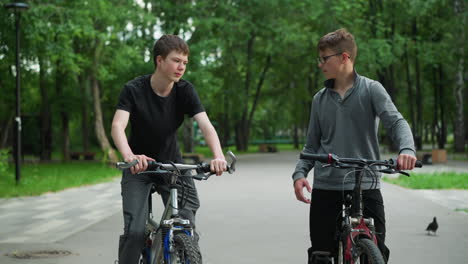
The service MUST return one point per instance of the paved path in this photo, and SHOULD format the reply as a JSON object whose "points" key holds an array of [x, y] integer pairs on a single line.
{"points": [[249, 217], [54, 216]]}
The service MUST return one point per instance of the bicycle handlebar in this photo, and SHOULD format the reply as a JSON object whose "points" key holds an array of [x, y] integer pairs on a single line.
{"points": [[334, 159], [201, 168]]}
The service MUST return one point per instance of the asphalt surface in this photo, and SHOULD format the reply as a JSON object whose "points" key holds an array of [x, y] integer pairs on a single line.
{"points": [[248, 217]]}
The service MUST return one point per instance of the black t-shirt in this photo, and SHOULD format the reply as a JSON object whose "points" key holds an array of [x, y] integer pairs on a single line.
{"points": [[154, 120]]}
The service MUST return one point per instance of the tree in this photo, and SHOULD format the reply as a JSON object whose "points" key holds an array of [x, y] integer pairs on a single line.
{"points": [[459, 87]]}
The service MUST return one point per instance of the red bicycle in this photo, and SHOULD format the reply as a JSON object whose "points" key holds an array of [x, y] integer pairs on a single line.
{"points": [[357, 242]]}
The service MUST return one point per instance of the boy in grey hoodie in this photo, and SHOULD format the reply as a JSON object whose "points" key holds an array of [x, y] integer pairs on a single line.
{"points": [[344, 121]]}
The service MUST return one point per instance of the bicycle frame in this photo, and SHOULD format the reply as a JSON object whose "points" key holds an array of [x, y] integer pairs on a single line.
{"points": [[170, 222], [159, 244], [354, 224], [357, 233]]}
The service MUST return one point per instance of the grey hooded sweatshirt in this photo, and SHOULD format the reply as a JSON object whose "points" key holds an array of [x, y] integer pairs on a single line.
{"points": [[348, 127]]}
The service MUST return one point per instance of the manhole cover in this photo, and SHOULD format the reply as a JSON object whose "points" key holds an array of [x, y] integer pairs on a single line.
{"points": [[39, 254]]}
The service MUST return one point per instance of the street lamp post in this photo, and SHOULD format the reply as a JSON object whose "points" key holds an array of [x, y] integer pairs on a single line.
{"points": [[17, 8]]}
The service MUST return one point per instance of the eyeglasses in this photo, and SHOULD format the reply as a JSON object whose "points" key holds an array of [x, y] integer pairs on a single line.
{"points": [[324, 59]]}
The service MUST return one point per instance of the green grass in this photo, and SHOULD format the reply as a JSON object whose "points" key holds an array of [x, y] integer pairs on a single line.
{"points": [[442, 180], [51, 177]]}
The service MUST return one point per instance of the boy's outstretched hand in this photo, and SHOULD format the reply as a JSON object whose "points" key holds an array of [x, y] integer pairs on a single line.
{"points": [[406, 162], [298, 190]]}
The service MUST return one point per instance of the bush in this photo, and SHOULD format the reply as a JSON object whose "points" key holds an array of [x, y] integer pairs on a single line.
{"points": [[4, 161]]}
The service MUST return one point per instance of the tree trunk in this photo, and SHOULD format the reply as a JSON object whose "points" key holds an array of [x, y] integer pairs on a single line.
{"points": [[5, 132], [241, 136], [459, 129], [410, 90], [225, 132], [242, 128], [247, 122], [45, 115], [296, 137], [419, 97], [435, 118], [63, 113], [188, 136], [442, 137], [439, 120], [259, 88], [101, 135], [83, 82]]}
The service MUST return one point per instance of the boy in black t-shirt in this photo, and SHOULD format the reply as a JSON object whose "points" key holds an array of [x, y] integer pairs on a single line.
{"points": [[156, 105]]}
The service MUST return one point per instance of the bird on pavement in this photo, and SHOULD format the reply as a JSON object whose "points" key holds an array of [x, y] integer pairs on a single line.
{"points": [[432, 227]]}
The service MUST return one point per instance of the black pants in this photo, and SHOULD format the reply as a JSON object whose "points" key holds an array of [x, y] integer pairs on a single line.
{"points": [[325, 217], [135, 191]]}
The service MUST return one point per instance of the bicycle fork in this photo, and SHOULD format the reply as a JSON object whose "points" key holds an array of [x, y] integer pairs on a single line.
{"points": [[355, 225], [161, 235], [172, 223]]}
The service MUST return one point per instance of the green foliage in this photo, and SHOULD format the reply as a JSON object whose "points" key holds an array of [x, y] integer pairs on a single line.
{"points": [[4, 154], [68, 42]]}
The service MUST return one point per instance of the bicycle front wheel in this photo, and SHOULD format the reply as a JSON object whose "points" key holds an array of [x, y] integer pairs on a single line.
{"points": [[186, 250], [368, 252]]}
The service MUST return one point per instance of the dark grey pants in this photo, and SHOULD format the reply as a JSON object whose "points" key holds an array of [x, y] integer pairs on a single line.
{"points": [[135, 191]]}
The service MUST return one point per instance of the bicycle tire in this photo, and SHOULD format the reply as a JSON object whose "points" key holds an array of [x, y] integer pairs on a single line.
{"points": [[145, 252], [143, 259], [368, 252], [340, 257], [186, 250], [157, 249]]}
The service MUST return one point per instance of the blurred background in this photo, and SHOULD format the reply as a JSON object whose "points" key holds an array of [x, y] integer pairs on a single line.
{"points": [[253, 63]]}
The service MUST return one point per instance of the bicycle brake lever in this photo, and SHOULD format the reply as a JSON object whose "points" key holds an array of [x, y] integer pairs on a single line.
{"points": [[231, 168], [392, 171], [404, 173], [388, 171], [201, 177]]}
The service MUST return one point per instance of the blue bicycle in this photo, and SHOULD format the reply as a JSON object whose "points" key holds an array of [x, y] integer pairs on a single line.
{"points": [[172, 240]]}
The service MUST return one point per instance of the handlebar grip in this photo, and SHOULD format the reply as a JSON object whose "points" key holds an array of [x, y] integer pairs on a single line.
{"points": [[152, 165], [325, 158], [205, 167], [126, 165], [418, 164]]}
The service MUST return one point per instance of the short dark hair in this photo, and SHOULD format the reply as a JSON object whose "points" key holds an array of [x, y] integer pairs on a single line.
{"points": [[168, 43], [339, 41]]}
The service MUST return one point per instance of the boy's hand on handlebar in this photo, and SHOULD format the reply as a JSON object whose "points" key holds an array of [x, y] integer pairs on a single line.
{"points": [[298, 190], [406, 162], [142, 164], [218, 166]]}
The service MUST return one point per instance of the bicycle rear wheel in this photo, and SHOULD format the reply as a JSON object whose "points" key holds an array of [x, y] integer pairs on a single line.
{"points": [[186, 250], [368, 252]]}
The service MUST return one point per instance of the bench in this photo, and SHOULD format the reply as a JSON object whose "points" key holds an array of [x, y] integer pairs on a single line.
{"points": [[439, 156], [267, 148], [195, 157], [87, 155], [434, 156], [424, 157]]}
